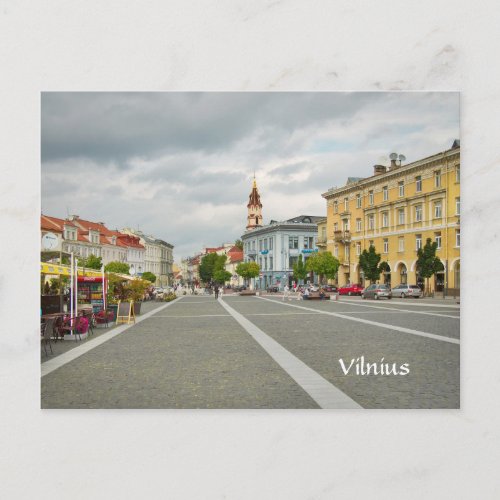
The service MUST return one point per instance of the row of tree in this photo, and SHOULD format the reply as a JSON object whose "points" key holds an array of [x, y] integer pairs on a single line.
{"points": [[325, 265]]}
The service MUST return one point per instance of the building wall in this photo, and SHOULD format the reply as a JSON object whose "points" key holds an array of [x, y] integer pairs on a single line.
{"points": [[351, 228]]}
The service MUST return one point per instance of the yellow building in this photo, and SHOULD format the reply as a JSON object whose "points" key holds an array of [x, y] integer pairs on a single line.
{"points": [[396, 210], [321, 239]]}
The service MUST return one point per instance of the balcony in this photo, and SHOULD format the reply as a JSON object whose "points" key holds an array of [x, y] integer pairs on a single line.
{"points": [[342, 236], [321, 241]]}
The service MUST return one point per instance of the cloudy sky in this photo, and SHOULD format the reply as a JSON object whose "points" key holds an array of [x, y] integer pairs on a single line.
{"points": [[180, 165]]}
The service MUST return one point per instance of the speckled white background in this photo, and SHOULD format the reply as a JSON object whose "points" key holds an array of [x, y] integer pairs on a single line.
{"points": [[254, 45]]}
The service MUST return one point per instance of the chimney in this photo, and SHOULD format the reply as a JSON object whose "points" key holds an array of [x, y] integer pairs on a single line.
{"points": [[393, 165], [379, 169]]}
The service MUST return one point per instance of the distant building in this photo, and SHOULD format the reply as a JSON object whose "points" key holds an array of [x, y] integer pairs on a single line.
{"points": [[158, 258], [276, 247], [254, 206]]}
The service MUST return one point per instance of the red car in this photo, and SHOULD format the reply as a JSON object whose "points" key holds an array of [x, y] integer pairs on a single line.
{"points": [[351, 289]]}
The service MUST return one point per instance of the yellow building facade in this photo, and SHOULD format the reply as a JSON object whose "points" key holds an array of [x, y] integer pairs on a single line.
{"points": [[396, 210]]}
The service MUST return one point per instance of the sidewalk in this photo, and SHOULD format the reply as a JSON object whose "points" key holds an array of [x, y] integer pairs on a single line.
{"points": [[62, 346]]}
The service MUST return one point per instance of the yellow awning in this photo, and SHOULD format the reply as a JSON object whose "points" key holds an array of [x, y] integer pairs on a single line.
{"points": [[57, 269]]}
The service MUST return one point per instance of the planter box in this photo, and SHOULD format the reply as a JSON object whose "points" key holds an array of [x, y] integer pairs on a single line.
{"points": [[247, 292], [137, 308]]}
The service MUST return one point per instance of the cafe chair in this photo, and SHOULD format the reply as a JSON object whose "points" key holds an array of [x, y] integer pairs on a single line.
{"points": [[46, 332]]}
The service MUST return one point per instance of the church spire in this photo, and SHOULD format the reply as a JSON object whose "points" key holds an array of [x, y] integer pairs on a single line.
{"points": [[254, 218]]}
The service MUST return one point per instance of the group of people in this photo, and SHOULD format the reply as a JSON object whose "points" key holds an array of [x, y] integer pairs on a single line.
{"points": [[301, 292]]}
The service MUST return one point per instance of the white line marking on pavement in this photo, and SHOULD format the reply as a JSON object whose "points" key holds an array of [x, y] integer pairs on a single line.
{"points": [[190, 316], [322, 391], [61, 360], [374, 323], [402, 310], [279, 314], [408, 302]]}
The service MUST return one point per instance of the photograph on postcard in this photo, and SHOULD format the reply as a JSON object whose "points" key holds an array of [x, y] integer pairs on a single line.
{"points": [[245, 250]]}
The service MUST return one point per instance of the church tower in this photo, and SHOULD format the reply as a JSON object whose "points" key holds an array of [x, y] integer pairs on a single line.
{"points": [[254, 206]]}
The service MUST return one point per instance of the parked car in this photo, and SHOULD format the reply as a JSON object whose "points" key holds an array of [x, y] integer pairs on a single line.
{"points": [[273, 288], [407, 291], [376, 291], [330, 288], [239, 288], [351, 289], [158, 291]]}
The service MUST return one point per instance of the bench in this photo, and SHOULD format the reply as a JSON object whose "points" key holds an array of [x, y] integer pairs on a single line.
{"points": [[247, 292]]}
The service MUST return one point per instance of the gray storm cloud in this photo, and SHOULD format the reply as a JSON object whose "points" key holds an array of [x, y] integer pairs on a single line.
{"points": [[180, 164]]}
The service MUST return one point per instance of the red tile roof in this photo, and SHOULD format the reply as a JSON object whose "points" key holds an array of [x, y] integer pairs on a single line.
{"points": [[53, 223]]}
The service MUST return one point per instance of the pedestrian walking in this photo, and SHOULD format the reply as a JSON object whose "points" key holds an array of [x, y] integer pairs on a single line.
{"points": [[216, 290], [286, 293]]}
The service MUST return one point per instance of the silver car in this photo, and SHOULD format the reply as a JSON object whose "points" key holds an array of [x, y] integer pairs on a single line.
{"points": [[376, 291], [407, 291]]}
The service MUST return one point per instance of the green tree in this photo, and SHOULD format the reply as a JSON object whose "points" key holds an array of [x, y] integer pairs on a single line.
{"points": [[238, 244], [248, 270], [210, 264], [221, 276], [149, 277], [299, 269], [324, 264], [91, 262], [369, 262], [117, 267], [427, 262]]}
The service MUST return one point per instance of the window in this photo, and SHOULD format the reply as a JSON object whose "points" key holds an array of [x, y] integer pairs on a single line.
{"points": [[308, 242], [401, 216], [371, 222], [346, 204], [418, 183], [265, 263], [401, 244], [358, 248], [347, 252], [358, 224], [358, 201], [385, 219], [336, 226], [271, 262], [260, 245], [336, 251], [370, 197], [323, 233], [437, 210], [385, 191], [293, 242], [457, 174], [437, 178], [437, 239], [335, 207], [271, 244], [418, 241], [292, 261], [418, 213], [265, 244], [457, 238], [372, 243], [345, 225], [401, 187], [457, 206], [386, 245]]}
